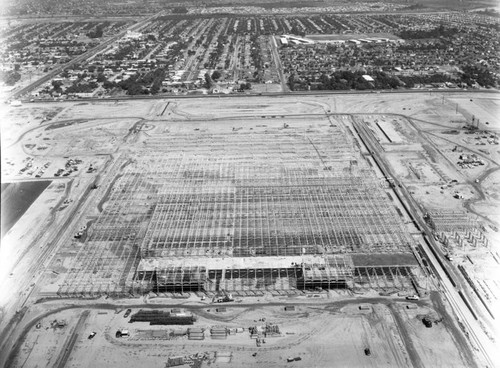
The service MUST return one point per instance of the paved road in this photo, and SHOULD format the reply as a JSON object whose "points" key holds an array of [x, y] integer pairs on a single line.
{"points": [[274, 46], [266, 94]]}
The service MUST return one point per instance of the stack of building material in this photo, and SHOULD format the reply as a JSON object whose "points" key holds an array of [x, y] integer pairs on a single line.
{"points": [[196, 334], [175, 361], [223, 357], [155, 317], [272, 330], [155, 334], [179, 333], [218, 333], [254, 332]]}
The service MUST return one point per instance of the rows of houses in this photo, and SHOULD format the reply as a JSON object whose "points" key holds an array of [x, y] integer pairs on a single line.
{"points": [[478, 45]]}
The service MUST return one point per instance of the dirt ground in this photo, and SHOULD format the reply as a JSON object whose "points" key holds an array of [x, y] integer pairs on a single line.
{"points": [[419, 152], [321, 335]]}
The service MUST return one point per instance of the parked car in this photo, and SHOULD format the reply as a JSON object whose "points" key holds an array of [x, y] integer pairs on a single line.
{"points": [[127, 313], [91, 336]]}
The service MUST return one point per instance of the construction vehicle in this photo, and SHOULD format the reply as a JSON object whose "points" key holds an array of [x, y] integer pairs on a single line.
{"points": [[427, 322], [122, 333], [412, 297], [227, 298]]}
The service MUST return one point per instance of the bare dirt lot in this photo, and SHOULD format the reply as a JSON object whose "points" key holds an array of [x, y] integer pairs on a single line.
{"points": [[320, 335]]}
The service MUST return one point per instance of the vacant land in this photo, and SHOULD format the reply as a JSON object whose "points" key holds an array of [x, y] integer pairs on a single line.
{"points": [[319, 335]]}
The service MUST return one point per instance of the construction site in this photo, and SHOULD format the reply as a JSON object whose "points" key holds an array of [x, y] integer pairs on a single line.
{"points": [[280, 208], [249, 202]]}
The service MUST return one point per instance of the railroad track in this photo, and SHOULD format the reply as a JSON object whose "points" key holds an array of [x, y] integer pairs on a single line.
{"points": [[461, 309]]}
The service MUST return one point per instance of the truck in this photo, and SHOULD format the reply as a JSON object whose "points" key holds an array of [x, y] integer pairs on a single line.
{"points": [[122, 333]]}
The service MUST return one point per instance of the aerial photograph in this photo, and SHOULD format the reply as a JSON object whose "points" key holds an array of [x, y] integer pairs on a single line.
{"points": [[267, 183]]}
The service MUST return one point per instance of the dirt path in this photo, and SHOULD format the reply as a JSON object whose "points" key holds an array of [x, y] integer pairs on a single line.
{"points": [[456, 334], [410, 347]]}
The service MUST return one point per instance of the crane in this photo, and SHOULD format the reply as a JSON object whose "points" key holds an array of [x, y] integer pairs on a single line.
{"points": [[227, 298]]}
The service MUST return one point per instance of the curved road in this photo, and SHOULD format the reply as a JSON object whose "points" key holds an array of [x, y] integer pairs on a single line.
{"points": [[15, 345]]}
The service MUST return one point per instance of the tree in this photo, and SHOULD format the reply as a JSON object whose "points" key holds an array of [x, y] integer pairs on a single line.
{"points": [[208, 81], [101, 78], [155, 88], [57, 85], [245, 86], [216, 75], [134, 89], [10, 78], [108, 85], [291, 82]]}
